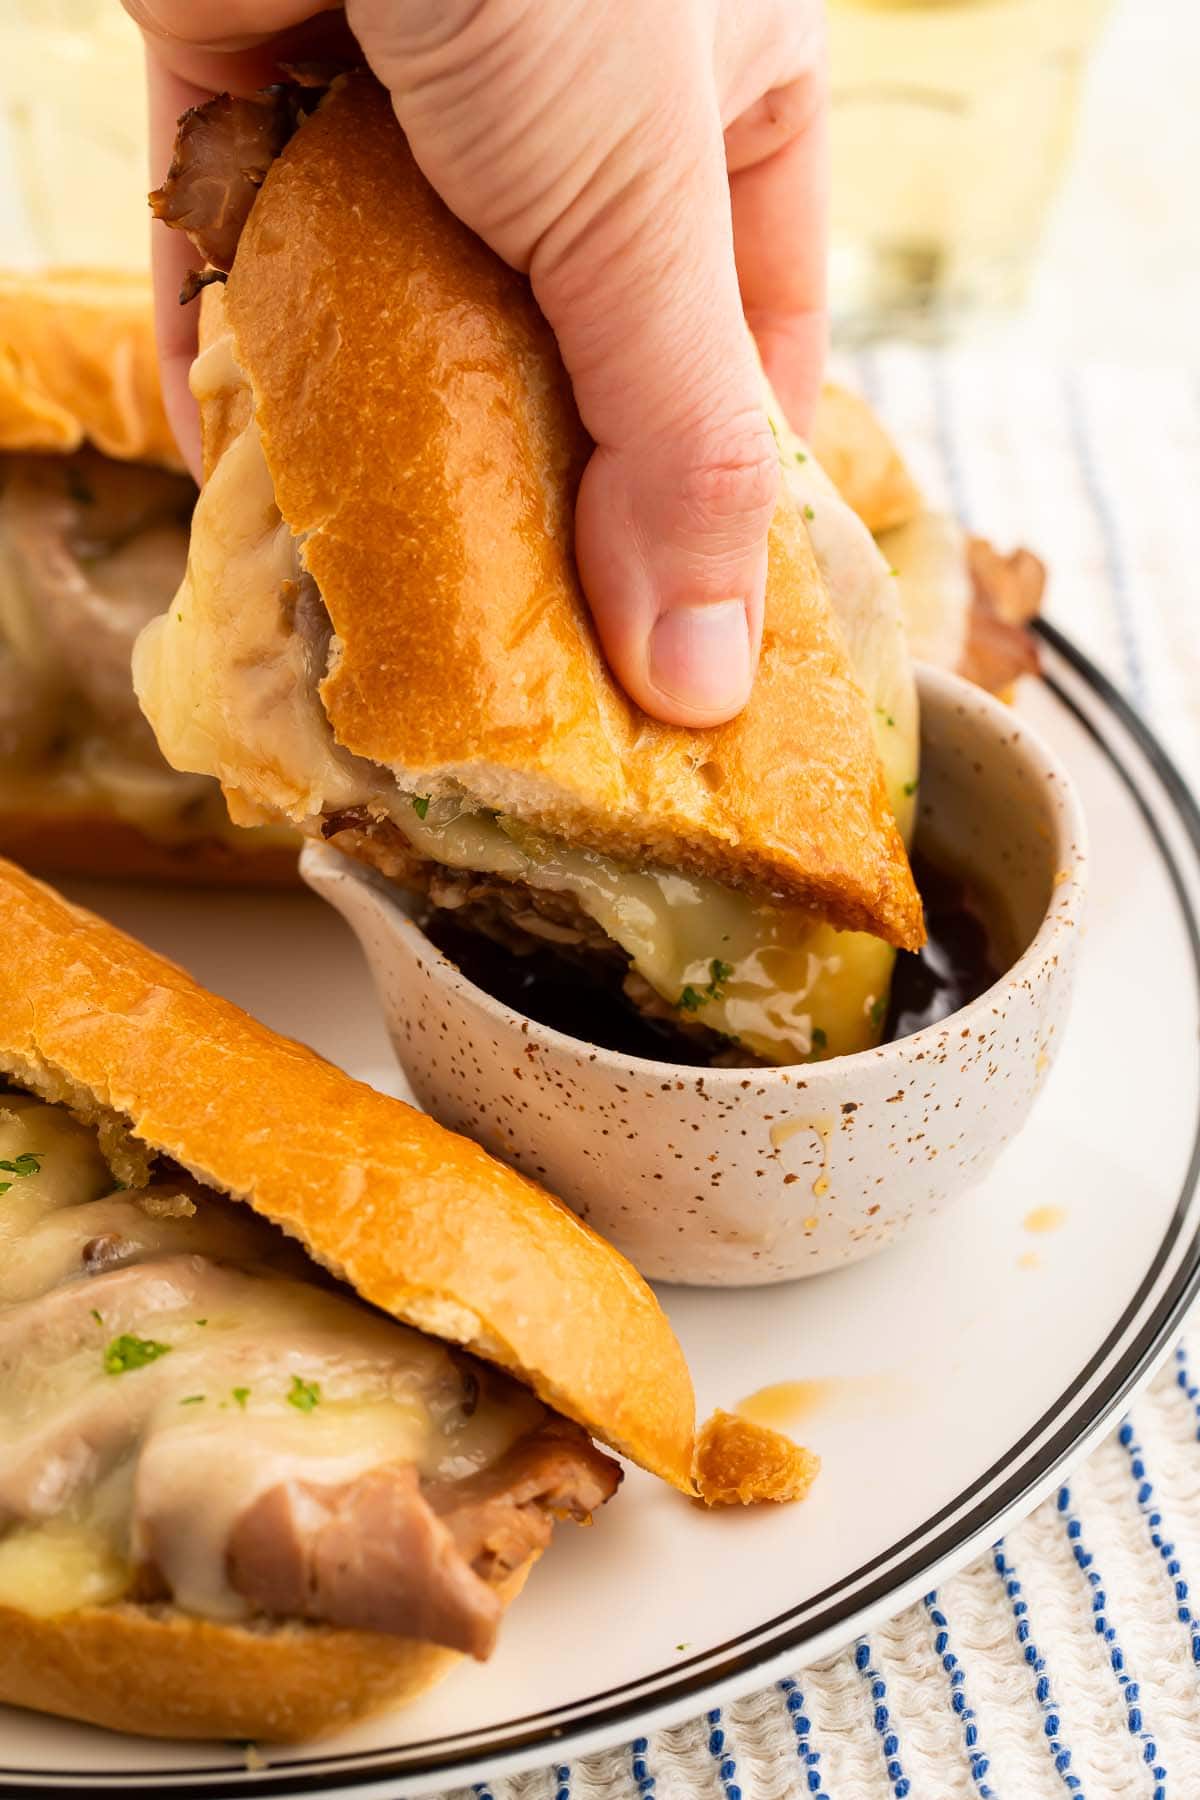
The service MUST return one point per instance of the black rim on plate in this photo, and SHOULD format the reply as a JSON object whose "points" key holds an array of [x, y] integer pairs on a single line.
{"points": [[1044, 1448]]}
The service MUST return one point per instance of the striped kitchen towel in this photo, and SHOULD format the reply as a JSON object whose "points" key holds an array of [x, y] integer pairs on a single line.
{"points": [[1066, 1662]]}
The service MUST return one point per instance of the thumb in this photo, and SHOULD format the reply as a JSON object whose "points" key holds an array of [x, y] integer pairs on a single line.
{"points": [[639, 284], [585, 144]]}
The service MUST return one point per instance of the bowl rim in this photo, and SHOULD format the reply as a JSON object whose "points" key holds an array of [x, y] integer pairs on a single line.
{"points": [[321, 863]]}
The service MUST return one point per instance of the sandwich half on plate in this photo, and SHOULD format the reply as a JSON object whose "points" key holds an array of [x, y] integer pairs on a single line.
{"points": [[967, 606], [381, 636], [94, 516], [293, 1382]]}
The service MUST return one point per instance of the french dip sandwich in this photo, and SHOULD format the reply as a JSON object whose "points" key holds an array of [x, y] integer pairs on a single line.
{"points": [[966, 605], [94, 516], [293, 1382], [381, 636]]}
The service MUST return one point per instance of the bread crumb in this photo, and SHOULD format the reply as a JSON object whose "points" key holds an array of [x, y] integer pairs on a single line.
{"points": [[737, 1463], [166, 1206], [254, 1759]]}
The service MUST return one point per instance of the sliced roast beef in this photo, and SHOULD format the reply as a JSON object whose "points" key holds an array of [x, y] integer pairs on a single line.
{"points": [[370, 1555], [383, 1553], [503, 1515], [91, 550], [222, 153], [245, 1437], [523, 920]]}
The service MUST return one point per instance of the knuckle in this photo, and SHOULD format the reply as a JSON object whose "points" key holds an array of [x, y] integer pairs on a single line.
{"points": [[733, 488]]}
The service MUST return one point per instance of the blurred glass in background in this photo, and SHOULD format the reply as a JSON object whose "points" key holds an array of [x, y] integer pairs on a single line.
{"points": [[952, 125], [72, 135]]}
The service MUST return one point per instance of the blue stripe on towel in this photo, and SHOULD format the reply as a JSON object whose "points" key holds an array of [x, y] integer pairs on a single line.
{"points": [[889, 1737], [959, 1704], [562, 1781], [1163, 1544], [1105, 515], [722, 1756], [1051, 1724], [1129, 1690], [810, 1759], [639, 1767], [1183, 1376], [482, 1791]]}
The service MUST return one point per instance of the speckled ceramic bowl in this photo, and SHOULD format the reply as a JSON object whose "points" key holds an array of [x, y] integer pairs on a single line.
{"points": [[728, 1177]]}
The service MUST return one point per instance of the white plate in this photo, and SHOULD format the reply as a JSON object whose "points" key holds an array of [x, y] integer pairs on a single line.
{"points": [[969, 1381]]}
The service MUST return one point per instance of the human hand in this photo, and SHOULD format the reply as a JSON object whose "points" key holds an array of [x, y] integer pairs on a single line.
{"points": [[659, 172]]}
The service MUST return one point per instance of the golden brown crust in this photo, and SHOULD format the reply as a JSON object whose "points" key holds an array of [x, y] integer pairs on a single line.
{"points": [[421, 434], [78, 363], [161, 1674], [96, 844], [421, 1222], [859, 457], [739, 1463]]}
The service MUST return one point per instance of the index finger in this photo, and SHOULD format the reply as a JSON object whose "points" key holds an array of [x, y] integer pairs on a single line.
{"points": [[171, 256], [780, 223]]}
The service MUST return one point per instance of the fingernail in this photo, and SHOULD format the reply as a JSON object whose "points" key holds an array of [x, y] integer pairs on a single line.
{"points": [[700, 656]]}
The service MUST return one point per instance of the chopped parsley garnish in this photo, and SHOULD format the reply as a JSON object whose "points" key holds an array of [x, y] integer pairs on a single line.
{"points": [[886, 716], [692, 999], [201, 1321], [809, 513], [191, 1400], [28, 1163], [800, 456], [820, 1038], [126, 1353], [893, 571], [421, 804], [304, 1395], [99, 1317], [910, 788], [774, 428], [241, 1395], [878, 1010]]}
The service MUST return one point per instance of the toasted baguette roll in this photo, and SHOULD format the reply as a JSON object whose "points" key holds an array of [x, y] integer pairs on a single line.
{"points": [[423, 449], [420, 1222], [853, 447], [158, 1673], [78, 365], [93, 540]]}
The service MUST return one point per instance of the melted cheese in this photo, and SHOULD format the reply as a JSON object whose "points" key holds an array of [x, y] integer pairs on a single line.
{"points": [[56, 1567], [223, 678], [760, 973], [227, 686], [101, 1471]]}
